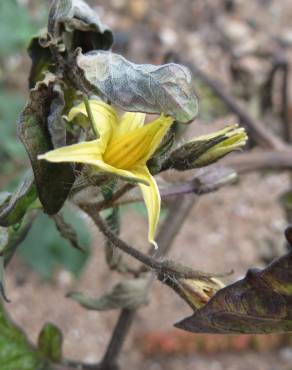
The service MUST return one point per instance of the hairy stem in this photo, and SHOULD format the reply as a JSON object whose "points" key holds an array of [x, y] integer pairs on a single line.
{"points": [[178, 212], [116, 241], [108, 203]]}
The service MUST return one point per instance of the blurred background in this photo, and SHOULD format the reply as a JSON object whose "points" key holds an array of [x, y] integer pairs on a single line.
{"points": [[238, 227]]}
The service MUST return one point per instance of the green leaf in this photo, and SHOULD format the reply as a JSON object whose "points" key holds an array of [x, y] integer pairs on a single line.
{"points": [[15, 205], [16, 353], [128, 294], [53, 251], [141, 88], [259, 303], [53, 180], [50, 342], [79, 26]]}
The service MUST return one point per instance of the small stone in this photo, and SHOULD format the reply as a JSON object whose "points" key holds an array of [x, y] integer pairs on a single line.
{"points": [[64, 278], [168, 36], [91, 358], [286, 354], [236, 31], [286, 37], [138, 8], [118, 4]]}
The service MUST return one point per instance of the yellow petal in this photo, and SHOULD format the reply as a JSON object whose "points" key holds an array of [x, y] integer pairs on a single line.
{"points": [[129, 122], [230, 129], [105, 118], [151, 198], [124, 174], [135, 148], [84, 152], [88, 153]]}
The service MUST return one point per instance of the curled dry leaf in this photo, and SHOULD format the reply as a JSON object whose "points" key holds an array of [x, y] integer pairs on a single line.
{"points": [[41, 59], [40, 117], [76, 17], [129, 294], [68, 232], [14, 206], [141, 87]]}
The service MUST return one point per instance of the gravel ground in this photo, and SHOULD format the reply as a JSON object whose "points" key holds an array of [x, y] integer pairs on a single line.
{"points": [[234, 228]]}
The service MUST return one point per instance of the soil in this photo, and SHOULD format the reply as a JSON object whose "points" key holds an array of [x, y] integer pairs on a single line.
{"points": [[238, 227]]}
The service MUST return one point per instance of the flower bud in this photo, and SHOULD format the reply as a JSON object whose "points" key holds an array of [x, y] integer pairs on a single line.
{"points": [[194, 287], [207, 149], [197, 292]]}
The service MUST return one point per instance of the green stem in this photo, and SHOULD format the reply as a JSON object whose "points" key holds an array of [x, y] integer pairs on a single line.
{"points": [[90, 116]]}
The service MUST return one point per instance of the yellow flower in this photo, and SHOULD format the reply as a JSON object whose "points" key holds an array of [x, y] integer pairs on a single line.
{"points": [[123, 148]]}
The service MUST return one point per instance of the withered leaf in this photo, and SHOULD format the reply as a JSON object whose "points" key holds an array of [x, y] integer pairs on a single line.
{"points": [[141, 88], [15, 235], [259, 303], [56, 125], [15, 205], [113, 255], [2, 280], [80, 24], [41, 59], [128, 294], [68, 232], [53, 180]]}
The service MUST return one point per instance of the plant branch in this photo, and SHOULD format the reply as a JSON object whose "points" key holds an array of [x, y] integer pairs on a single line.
{"points": [[187, 187], [280, 66], [256, 160], [116, 241], [256, 129], [75, 365], [108, 203], [285, 114], [109, 361]]}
